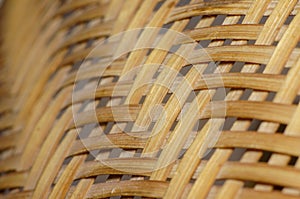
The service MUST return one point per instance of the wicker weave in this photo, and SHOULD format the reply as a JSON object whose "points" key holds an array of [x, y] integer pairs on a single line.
{"points": [[224, 126]]}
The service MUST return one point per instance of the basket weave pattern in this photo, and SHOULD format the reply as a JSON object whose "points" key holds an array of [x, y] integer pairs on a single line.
{"points": [[132, 137]]}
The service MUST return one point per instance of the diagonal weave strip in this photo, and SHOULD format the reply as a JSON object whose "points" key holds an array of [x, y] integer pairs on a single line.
{"points": [[204, 104]]}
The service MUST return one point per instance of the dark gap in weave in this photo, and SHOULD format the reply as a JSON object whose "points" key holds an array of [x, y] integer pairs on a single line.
{"points": [[128, 126], [208, 154], [89, 43], [5, 191], [158, 5], [281, 128], [219, 182], [265, 157], [263, 20], [138, 153], [149, 51], [191, 97], [90, 156], [203, 43], [156, 74], [158, 152], [191, 181], [210, 69], [261, 68], [184, 70], [277, 187], [75, 182], [62, 2], [108, 127], [126, 177], [166, 98], [79, 85], [142, 99], [200, 124], [229, 121], [5, 131], [219, 95], [254, 125], [181, 154], [115, 153], [241, 19], [296, 100], [83, 106], [219, 20], [249, 184], [86, 130], [193, 23], [61, 113], [237, 67], [52, 75], [75, 66], [68, 14], [293, 161], [115, 197], [151, 126], [168, 25], [251, 42], [298, 45], [67, 160], [173, 125], [289, 19], [275, 43], [173, 49], [237, 154], [182, 3], [246, 94], [270, 97], [285, 71], [104, 101], [227, 42], [101, 179]]}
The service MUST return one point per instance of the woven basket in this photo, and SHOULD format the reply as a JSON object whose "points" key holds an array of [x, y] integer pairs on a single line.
{"points": [[150, 99]]}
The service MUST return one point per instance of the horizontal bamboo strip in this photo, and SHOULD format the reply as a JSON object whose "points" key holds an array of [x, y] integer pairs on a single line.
{"points": [[74, 5], [287, 176], [155, 189], [13, 180], [89, 15], [251, 140], [106, 114], [121, 140], [243, 32]]}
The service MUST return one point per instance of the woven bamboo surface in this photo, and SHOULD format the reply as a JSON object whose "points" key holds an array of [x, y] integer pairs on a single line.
{"points": [[223, 124]]}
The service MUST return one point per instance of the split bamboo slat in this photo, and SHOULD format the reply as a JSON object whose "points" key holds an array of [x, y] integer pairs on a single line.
{"points": [[150, 99]]}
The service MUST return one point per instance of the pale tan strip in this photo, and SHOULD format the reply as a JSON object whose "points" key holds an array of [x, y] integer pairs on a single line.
{"points": [[261, 172], [116, 140], [13, 180], [210, 8], [82, 188], [62, 186], [76, 4], [53, 166], [47, 150], [278, 143], [41, 130], [155, 189], [107, 114]]}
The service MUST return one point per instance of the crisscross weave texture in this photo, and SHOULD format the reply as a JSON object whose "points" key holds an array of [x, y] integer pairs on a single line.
{"points": [[80, 120]]}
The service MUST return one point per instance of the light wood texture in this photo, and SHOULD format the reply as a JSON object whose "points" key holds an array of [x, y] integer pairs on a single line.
{"points": [[174, 121]]}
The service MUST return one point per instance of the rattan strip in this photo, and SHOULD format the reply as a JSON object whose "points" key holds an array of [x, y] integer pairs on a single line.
{"points": [[44, 130]]}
